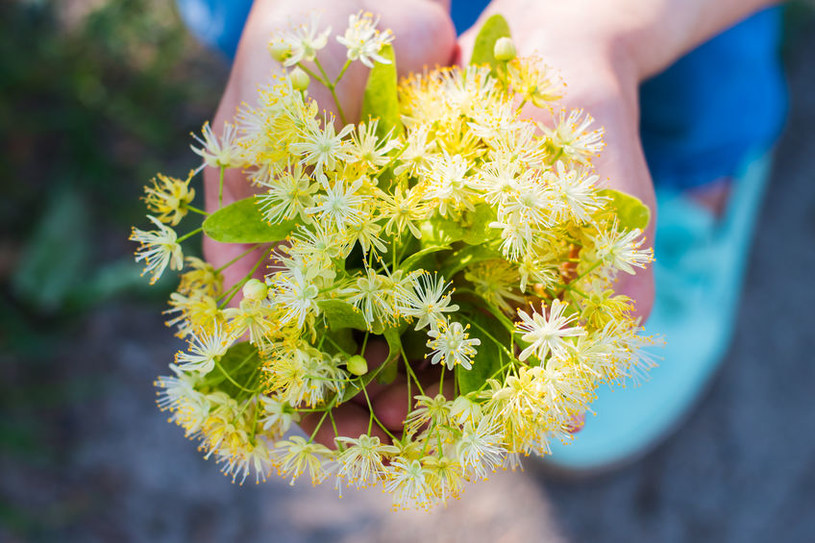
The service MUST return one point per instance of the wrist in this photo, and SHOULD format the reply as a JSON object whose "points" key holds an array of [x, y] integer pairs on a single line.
{"points": [[645, 36]]}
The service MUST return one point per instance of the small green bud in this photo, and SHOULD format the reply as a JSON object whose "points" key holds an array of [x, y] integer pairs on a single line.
{"points": [[254, 290], [299, 79], [357, 365], [279, 50], [504, 49]]}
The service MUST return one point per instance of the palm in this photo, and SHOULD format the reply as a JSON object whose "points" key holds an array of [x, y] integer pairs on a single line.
{"points": [[600, 80], [425, 37]]}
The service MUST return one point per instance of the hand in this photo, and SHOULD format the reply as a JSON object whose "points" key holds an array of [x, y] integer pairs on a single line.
{"points": [[583, 41], [424, 36]]}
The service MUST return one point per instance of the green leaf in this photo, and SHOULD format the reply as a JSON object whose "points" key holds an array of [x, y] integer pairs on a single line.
{"points": [[242, 222], [470, 254], [55, 260], [339, 314], [240, 362], [490, 356], [342, 337], [477, 229], [410, 261], [381, 100], [473, 228], [483, 51], [630, 210], [439, 230], [388, 373]]}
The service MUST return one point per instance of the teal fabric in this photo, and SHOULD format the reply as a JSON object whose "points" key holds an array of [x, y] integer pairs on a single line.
{"points": [[699, 272]]}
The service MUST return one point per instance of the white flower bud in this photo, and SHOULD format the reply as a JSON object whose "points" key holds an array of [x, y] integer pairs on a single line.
{"points": [[254, 290], [504, 49], [299, 79]]}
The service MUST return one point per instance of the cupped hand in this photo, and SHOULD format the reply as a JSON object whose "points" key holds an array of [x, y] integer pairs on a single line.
{"points": [[585, 41], [424, 36]]}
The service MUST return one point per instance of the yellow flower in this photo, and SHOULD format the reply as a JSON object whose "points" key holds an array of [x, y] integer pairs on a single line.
{"points": [[534, 82], [298, 456], [158, 249], [169, 197]]}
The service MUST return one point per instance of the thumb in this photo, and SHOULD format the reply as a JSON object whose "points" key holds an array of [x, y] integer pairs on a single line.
{"points": [[425, 36]]}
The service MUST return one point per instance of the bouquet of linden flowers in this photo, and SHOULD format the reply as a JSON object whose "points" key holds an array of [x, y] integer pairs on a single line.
{"points": [[466, 236]]}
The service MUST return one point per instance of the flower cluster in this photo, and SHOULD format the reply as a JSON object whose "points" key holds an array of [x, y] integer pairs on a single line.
{"points": [[457, 225]]}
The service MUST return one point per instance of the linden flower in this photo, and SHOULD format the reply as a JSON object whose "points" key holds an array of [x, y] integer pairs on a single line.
{"points": [[371, 297], [253, 457], [516, 235], [534, 82], [407, 482], [278, 416], [302, 43], [572, 139], [547, 334], [201, 278], [322, 147], [297, 456], [290, 192], [364, 41], [178, 394], [204, 350], [472, 209], [414, 157], [252, 317], [435, 410], [341, 203], [576, 190], [158, 249], [445, 476], [451, 345], [361, 462], [427, 300], [169, 197], [448, 184], [369, 149], [366, 233], [621, 249], [404, 209], [296, 295], [480, 448], [496, 281], [218, 153]]}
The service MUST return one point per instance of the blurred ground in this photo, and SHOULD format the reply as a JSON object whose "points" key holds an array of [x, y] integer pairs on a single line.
{"points": [[85, 455]]}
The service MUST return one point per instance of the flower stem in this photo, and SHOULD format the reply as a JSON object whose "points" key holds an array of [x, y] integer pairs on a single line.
{"points": [[342, 71], [332, 88], [312, 74], [196, 210], [240, 256], [410, 372], [237, 286], [190, 234], [230, 379], [221, 188]]}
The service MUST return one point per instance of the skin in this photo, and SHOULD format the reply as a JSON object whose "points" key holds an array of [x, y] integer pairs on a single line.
{"points": [[602, 49]]}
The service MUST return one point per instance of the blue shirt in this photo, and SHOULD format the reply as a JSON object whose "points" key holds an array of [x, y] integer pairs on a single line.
{"points": [[700, 119]]}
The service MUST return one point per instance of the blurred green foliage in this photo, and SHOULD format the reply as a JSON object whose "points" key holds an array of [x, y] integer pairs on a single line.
{"points": [[95, 98], [91, 106]]}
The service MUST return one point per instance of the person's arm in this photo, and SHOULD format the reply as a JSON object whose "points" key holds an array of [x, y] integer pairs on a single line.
{"points": [[657, 32], [604, 49]]}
